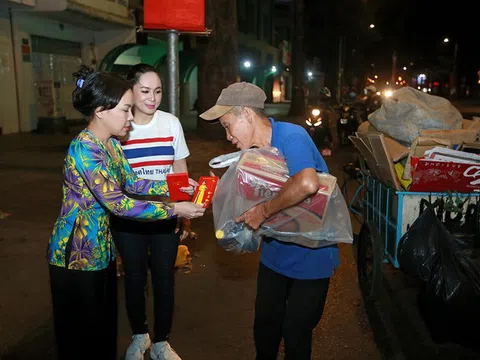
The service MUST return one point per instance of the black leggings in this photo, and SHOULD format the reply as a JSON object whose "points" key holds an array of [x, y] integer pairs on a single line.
{"points": [[85, 312], [287, 308], [144, 244]]}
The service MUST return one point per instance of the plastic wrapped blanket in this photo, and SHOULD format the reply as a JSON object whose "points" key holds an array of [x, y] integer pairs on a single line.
{"points": [[257, 176]]}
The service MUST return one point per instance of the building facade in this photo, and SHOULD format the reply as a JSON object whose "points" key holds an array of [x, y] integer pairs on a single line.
{"points": [[260, 58], [42, 43]]}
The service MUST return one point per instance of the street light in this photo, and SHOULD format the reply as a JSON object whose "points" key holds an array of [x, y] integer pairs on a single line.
{"points": [[372, 26], [453, 73], [247, 64], [405, 68]]}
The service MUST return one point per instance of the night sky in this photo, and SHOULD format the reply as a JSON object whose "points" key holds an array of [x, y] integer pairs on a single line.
{"points": [[415, 29]]}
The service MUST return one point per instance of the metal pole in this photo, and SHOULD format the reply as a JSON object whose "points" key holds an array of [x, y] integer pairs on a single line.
{"points": [[15, 70], [453, 76], [394, 66], [173, 72], [340, 70]]}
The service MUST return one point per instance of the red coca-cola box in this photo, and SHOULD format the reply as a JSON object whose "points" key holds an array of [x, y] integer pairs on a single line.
{"points": [[438, 176], [260, 179]]}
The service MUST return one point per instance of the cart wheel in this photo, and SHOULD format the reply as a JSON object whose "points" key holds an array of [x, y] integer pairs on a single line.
{"points": [[369, 261]]}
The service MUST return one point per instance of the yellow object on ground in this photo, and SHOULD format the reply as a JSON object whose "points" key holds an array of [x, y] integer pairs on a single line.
{"points": [[183, 257]]}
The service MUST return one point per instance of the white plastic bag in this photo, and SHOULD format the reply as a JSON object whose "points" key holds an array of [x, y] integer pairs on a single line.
{"points": [[259, 174]]}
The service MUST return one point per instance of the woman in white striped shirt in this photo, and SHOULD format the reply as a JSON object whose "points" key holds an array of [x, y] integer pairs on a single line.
{"points": [[155, 147]]}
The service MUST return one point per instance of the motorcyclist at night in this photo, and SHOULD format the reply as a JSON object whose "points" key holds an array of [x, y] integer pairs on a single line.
{"points": [[373, 101]]}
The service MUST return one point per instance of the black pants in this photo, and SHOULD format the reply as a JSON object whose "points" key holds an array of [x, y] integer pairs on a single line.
{"points": [[141, 245], [85, 313], [287, 308]]}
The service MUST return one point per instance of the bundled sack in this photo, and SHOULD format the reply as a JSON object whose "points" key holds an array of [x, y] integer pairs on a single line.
{"points": [[448, 264], [259, 175], [408, 111]]}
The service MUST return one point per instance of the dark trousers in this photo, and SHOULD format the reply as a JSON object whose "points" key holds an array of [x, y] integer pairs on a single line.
{"points": [[142, 245], [85, 313], [287, 308]]}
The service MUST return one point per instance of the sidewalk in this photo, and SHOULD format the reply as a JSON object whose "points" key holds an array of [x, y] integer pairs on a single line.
{"points": [[214, 302]]}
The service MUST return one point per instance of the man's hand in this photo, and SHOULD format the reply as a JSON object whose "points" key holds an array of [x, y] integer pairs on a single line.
{"points": [[255, 216], [191, 189]]}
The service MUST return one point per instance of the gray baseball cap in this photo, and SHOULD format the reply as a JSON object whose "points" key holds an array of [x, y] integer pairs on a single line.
{"points": [[237, 94]]}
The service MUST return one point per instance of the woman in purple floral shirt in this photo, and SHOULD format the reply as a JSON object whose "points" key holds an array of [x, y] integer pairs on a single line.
{"points": [[81, 254]]}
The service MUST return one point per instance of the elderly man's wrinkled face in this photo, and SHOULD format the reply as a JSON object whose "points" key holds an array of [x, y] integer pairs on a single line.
{"points": [[238, 128]]}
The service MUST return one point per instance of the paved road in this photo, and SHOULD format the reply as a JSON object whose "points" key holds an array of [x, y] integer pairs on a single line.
{"points": [[214, 307]]}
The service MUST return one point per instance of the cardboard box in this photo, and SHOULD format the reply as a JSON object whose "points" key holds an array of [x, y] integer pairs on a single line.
{"points": [[386, 168], [395, 150], [449, 155], [417, 151], [455, 137], [472, 148], [367, 154], [437, 176], [259, 179]]}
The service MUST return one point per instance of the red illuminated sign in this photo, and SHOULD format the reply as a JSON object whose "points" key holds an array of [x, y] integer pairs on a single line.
{"points": [[181, 15]]}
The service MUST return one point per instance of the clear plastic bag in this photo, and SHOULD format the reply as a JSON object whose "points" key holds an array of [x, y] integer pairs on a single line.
{"points": [[320, 220]]}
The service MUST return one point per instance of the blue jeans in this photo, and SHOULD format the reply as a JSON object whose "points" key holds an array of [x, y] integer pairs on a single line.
{"points": [[142, 245]]}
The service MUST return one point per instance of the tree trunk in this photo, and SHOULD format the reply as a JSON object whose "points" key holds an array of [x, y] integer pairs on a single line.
{"points": [[297, 106], [218, 60]]}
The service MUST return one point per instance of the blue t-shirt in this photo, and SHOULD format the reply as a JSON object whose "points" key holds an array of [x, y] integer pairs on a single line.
{"points": [[288, 259]]}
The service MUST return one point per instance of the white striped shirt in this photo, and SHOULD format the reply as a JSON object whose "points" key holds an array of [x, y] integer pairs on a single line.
{"points": [[151, 149]]}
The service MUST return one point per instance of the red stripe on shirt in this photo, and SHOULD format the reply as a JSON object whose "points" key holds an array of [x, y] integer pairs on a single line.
{"points": [[146, 141], [152, 163]]}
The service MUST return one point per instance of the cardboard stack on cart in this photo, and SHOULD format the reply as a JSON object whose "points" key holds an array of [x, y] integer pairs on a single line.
{"points": [[437, 160]]}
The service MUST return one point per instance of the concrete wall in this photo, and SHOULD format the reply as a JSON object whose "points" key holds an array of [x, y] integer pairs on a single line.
{"points": [[118, 8], [95, 45], [8, 98]]}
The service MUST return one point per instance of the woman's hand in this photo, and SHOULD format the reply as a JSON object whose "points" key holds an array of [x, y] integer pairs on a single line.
{"points": [[183, 227], [188, 210], [191, 189]]}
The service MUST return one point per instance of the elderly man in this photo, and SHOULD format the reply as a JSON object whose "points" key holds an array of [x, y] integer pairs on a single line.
{"points": [[292, 281]]}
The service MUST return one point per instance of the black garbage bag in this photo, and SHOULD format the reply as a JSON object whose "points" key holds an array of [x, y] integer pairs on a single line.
{"points": [[431, 253], [449, 268], [453, 320], [447, 322], [418, 248]]}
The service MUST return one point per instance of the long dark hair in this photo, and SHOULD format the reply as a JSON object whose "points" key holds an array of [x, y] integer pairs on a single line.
{"points": [[97, 90], [138, 70]]}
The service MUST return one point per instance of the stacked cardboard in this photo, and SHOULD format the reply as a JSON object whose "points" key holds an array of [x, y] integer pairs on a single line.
{"points": [[394, 164]]}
